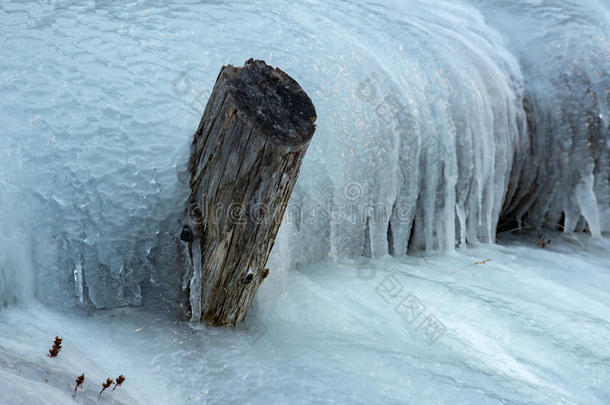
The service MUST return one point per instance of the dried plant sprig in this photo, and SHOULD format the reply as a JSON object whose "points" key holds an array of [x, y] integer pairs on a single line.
{"points": [[119, 380], [483, 261], [54, 351], [542, 241], [106, 384], [79, 382]]}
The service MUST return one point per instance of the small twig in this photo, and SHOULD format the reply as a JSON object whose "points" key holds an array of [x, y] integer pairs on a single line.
{"points": [[476, 263], [485, 261], [54, 351], [571, 237], [106, 384], [515, 229], [119, 380], [79, 382], [419, 253], [482, 262]]}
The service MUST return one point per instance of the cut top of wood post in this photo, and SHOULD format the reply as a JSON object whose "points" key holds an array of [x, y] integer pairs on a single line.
{"points": [[273, 101]]}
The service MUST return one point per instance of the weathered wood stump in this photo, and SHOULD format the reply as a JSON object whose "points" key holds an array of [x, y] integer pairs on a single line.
{"points": [[247, 153]]}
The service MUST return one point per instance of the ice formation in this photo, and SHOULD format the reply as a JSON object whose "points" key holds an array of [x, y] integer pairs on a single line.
{"points": [[562, 174], [440, 124], [528, 327], [438, 121]]}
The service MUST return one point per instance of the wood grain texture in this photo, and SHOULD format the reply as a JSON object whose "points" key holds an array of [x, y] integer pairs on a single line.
{"points": [[246, 157]]}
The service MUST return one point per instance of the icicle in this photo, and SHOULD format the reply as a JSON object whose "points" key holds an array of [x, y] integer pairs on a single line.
{"points": [[195, 293], [78, 280], [188, 275], [588, 203]]}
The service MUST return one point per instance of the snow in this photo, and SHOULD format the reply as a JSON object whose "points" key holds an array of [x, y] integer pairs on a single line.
{"points": [[529, 326]]}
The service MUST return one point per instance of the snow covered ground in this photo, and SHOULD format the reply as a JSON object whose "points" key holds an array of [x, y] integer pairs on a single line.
{"points": [[531, 325]]}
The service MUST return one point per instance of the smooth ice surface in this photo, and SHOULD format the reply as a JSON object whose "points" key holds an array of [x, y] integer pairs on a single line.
{"points": [[530, 326]]}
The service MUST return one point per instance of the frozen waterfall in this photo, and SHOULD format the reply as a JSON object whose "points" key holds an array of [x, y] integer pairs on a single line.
{"points": [[438, 122]]}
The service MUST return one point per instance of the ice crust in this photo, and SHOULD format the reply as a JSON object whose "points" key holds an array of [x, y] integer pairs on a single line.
{"points": [[423, 139]]}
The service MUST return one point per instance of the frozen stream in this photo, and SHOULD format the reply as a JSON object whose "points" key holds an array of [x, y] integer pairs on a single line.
{"points": [[441, 126], [530, 326]]}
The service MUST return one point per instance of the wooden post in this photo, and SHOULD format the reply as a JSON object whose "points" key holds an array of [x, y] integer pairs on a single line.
{"points": [[246, 157]]}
